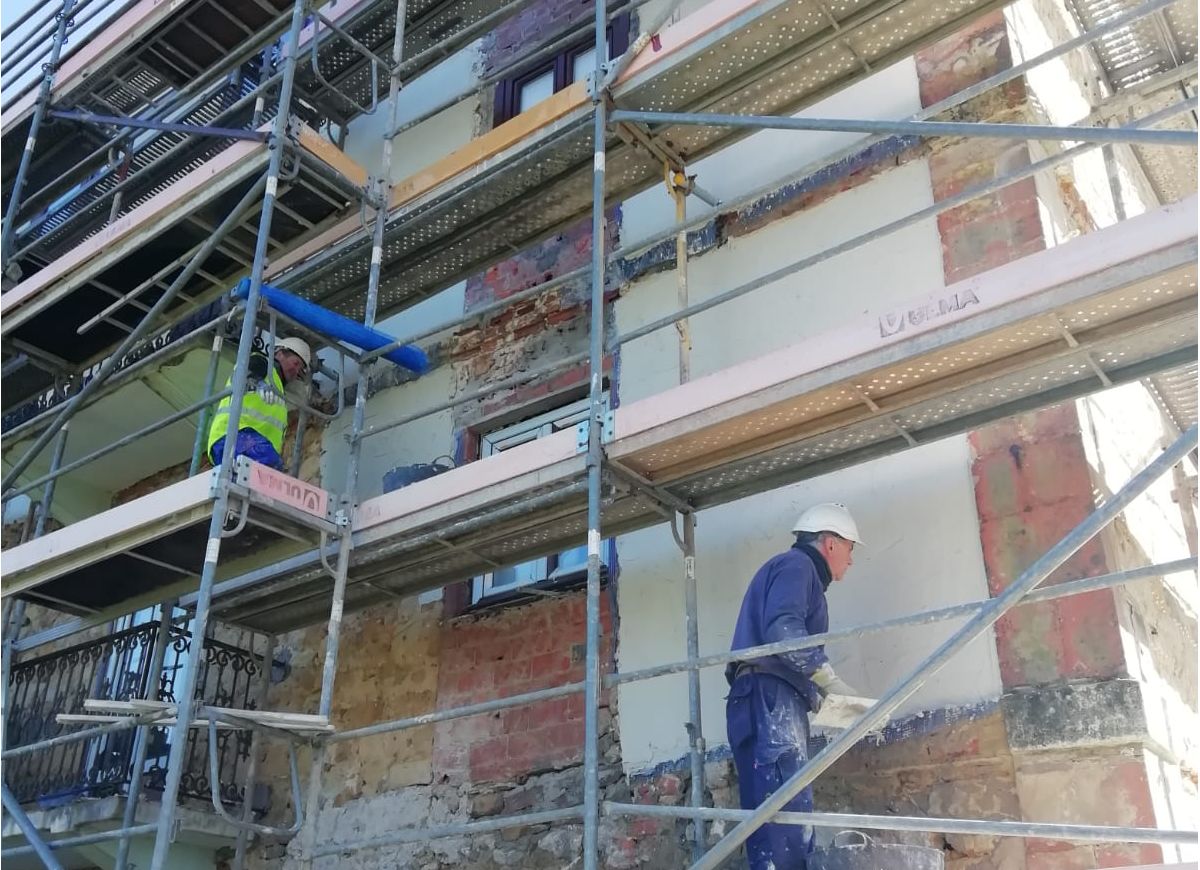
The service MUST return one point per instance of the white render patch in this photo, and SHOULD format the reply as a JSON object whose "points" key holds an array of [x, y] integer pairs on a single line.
{"points": [[433, 138], [917, 514], [880, 276], [769, 155], [419, 441]]}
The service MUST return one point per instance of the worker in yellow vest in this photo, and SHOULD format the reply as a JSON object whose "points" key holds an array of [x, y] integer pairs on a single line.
{"points": [[264, 413]]}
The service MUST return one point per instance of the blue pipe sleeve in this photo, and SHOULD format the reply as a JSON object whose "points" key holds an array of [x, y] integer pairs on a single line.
{"points": [[325, 322]]}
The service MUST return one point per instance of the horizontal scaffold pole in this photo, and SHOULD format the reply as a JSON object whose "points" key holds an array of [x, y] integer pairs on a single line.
{"points": [[83, 840], [920, 824], [883, 709], [966, 129], [930, 211], [419, 835], [927, 617], [165, 126]]}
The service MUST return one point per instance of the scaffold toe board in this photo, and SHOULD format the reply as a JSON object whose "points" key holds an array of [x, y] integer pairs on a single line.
{"points": [[156, 545], [1107, 308], [93, 285], [530, 176]]}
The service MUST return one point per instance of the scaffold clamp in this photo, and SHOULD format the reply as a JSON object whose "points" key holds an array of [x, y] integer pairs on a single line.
{"points": [[582, 432]]}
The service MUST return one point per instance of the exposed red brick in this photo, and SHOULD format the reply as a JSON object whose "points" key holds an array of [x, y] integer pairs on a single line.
{"points": [[505, 653]]}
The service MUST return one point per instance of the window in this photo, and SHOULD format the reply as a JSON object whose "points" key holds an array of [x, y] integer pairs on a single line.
{"points": [[533, 84], [564, 567]]}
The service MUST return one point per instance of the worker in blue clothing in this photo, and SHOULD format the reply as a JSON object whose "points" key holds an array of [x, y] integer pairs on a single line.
{"points": [[771, 698], [263, 420]]}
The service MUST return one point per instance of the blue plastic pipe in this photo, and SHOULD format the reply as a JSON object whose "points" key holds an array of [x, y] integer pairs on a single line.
{"points": [[325, 322]]}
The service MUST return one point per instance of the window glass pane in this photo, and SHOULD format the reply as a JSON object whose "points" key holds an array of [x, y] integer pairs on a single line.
{"points": [[571, 561], [535, 90], [585, 62], [568, 563], [518, 575]]}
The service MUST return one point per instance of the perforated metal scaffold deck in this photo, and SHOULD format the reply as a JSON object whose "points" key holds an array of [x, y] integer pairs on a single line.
{"points": [[1113, 306], [531, 176]]}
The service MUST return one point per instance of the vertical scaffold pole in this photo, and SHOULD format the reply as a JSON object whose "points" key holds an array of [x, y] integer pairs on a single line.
{"points": [[13, 622], [141, 745], [35, 125], [264, 686], [695, 727], [56, 459], [382, 193], [187, 684], [591, 710]]}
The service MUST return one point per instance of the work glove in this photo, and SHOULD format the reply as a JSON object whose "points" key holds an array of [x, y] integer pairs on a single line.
{"points": [[829, 683], [265, 392]]}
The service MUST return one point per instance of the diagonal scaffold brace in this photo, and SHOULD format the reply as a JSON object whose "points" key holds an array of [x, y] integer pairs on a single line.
{"points": [[891, 701]]}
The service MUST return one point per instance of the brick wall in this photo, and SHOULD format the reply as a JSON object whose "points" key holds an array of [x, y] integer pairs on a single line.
{"points": [[508, 652], [1032, 486], [994, 229], [1073, 749], [533, 26]]}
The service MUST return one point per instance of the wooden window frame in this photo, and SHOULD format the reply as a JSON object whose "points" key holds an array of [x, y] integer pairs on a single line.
{"points": [[508, 90]]}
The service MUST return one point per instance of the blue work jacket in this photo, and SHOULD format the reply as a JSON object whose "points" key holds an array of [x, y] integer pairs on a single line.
{"points": [[786, 601]]}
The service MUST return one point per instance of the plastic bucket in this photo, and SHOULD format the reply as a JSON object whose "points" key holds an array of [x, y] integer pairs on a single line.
{"points": [[409, 474]]}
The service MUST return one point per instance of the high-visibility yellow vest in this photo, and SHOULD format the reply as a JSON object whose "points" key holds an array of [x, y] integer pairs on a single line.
{"points": [[268, 419]]}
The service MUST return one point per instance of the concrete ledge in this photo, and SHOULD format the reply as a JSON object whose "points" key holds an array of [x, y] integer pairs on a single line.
{"points": [[90, 815], [1108, 712]]}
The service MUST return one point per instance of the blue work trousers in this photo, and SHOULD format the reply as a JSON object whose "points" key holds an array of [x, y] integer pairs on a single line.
{"points": [[253, 445], [767, 722]]}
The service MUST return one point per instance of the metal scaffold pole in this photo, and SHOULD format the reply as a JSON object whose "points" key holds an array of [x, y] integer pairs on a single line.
{"points": [[187, 681], [29, 830], [210, 384], [677, 184], [381, 194], [141, 746], [60, 447], [882, 710], [264, 685], [113, 361], [39, 113], [595, 458]]}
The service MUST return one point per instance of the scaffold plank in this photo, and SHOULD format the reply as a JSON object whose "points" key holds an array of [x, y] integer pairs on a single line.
{"points": [[498, 194], [986, 347]]}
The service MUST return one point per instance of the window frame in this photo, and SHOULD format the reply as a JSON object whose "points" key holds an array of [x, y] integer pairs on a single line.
{"points": [[482, 593], [507, 102]]}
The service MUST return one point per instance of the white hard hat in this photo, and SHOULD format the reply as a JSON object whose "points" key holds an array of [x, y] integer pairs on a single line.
{"points": [[298, 346], [829, 517]]}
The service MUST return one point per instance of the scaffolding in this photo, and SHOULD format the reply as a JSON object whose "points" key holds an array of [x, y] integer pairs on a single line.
{"points": [[616, 472]]}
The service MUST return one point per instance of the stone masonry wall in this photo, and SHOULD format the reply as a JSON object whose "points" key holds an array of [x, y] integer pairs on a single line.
{"points": [[1073, 725]]}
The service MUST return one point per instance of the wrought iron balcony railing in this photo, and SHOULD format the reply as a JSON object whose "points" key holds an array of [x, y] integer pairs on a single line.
{"points": [[117, 667]]}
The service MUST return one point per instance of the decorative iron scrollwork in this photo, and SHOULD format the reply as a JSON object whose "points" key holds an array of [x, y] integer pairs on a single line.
{"points": [[117, 667]]}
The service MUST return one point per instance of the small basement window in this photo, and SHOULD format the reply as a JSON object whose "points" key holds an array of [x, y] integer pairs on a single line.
{"points": [[561, 569]]}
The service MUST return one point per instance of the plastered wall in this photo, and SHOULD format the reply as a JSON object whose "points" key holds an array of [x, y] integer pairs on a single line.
{"points": [[916, 510]]}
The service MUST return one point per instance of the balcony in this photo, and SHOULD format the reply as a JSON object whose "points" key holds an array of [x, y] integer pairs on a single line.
{"points": [[118, 667]]}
